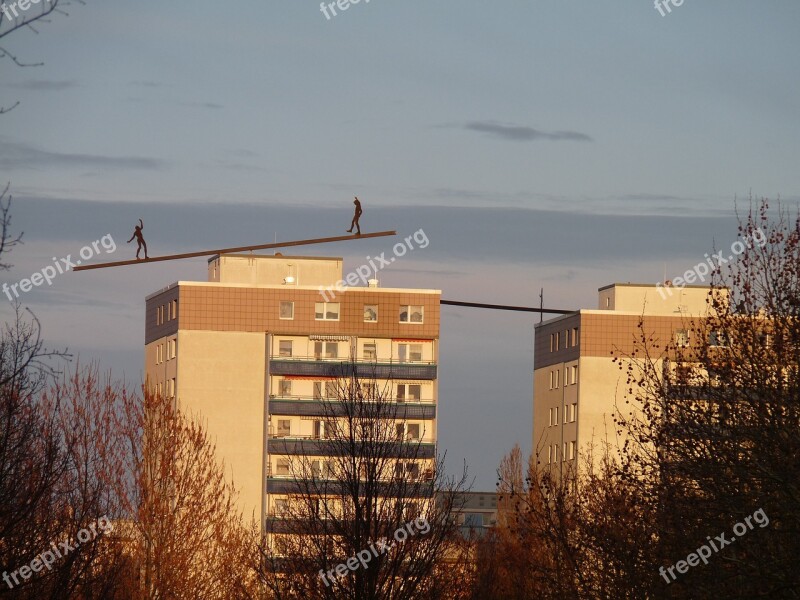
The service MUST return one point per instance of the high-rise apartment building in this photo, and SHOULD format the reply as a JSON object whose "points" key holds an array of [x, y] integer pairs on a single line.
{"points": [[576, 386], [256, 350]]}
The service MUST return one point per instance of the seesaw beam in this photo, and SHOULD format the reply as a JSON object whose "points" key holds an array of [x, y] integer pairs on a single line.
{"points": [[341, 238]]}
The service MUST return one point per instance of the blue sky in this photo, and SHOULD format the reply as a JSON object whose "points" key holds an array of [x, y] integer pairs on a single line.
{"points": [[559, 145]]}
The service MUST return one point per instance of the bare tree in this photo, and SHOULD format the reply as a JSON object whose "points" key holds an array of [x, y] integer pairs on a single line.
{"points": [[19, 14], [374, 493], [185, 531], [718, 435]]}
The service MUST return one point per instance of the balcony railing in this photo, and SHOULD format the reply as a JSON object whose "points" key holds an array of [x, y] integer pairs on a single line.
{"points": [[290, 485], [341, 367], [305, 446], [304, 407]]}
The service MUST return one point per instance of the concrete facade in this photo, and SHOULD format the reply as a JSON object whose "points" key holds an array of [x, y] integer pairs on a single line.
{"points": [[577, 386], [253, 350]]}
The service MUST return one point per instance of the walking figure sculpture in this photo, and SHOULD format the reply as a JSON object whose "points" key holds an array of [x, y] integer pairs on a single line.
{"points": [[356, 217], [137, 233]]}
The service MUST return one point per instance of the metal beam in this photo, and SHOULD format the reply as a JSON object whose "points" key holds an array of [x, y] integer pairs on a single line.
{"points": [[552, 311], [342, 238]]}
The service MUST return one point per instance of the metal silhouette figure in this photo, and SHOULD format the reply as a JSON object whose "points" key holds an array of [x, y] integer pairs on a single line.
{"points": [[356, 217], [137, 233]]}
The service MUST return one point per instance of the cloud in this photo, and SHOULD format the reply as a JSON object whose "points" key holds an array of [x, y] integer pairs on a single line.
{"points": [[17, 155], [43, 85], [521, 133]]}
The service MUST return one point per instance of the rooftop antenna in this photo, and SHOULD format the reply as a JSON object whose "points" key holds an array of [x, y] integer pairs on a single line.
{"points": [[541, 304]]}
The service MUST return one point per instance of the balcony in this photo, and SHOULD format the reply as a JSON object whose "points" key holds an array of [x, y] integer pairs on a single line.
{"points": [[339, 367], [410, 489], [304, 407], [306, 446]]}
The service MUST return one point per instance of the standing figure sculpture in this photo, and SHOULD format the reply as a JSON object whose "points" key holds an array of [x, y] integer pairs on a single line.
{"points": [[137, 233], [356, 217]]}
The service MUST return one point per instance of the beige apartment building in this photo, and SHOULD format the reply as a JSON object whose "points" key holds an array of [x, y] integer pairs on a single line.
{"points": [[255, 350], [575, 383]]}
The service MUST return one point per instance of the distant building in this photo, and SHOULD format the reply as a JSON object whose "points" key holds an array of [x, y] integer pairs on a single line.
{"points": [[478, 513], [255, 349], [575, 383]]}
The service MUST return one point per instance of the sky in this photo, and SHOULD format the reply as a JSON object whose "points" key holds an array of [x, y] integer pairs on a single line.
{"points": [[554, 145]]}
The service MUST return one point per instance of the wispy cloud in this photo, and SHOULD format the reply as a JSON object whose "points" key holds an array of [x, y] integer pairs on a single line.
{"points": [[44, 85], [17, 155], [521, 133]]}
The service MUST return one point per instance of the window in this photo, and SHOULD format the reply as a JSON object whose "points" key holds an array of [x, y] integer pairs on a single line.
{"points": [[282, 466], [319, 430], [326, 311], [285, 387], [174, 309], [558, 340], [411, 314], [575, 337], [717, 338], [281, 506], [682, 338], [554, 377], [549, 454], [566, 338], [370, 313], [369, 391], [321, 469], [173, 346], [574, 412], [409, 352], [399, 431], [564, 452], [370, 352], [284, 428], [173, 387], [550, 420], [326, 350], [413, 470], [555, 416], [413, 431], [552, 342], [555, 452], [159, 354], [572, 450], [574, 371], [331, 389], [409, 391], [285, 348], [286, 310]]}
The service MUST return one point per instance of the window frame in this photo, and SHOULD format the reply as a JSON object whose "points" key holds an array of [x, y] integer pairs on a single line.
{"points": [[409, 312], [281, 305], [325, 311]]}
